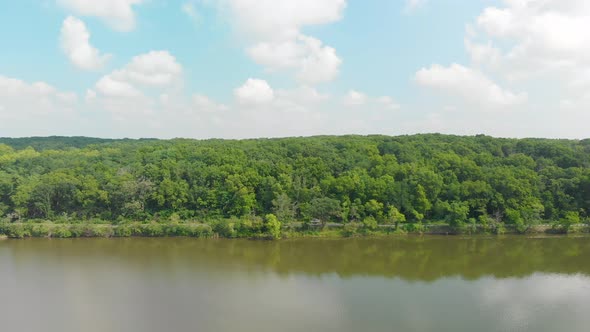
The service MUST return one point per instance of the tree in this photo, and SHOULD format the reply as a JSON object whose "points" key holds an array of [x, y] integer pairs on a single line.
{"points": [[338, 179], [370, 223], [374, 208], [570, 219], [421, 203], [457, 214], [395, 217], [272, 226], [324, 209], [514, 217], [283, 207]]}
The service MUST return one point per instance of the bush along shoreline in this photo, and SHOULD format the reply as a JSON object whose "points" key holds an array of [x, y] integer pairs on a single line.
{"points": [[268, 228]]}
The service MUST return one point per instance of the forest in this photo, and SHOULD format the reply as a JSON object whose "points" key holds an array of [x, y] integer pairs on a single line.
{"points": [[263, 186]]}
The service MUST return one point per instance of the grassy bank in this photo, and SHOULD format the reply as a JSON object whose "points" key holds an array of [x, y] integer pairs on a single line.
{"points": [[245, 229]]}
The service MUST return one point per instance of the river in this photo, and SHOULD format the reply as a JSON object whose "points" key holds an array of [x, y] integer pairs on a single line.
{"points": [[312, 285]]}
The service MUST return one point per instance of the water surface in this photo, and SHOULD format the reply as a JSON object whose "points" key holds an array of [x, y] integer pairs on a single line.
{"points": [[399, 284]]}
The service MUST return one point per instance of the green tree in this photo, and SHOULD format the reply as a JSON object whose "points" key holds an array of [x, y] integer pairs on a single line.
{"points": [[324, 209], [283, 207], [395, 217], [272, 226], [570, 219], [370, 223], [458, 213]]}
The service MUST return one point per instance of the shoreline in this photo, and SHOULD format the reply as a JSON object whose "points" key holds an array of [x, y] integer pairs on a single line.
{"points": [[203, 230]]}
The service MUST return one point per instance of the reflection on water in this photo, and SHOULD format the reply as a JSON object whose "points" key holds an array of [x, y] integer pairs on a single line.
{"points": [[402, 284]]}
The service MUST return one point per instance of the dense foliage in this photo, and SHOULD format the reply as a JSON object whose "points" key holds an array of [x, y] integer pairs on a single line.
{"points": [[364, 181]]}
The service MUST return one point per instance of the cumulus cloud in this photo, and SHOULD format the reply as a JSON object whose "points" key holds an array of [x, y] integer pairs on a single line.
{"points": [[412, 5], [117, 13], [531, 41], [278, 20], [254, 91], [388, 102], [303, 94], [355, 98], [203, 103], [529, 56], [313, 61], [153, 69], [139, 98], [276, 40], [122, 104], [38, 106], [359, 99], [469, 84], [112, 87], [75, 42]]}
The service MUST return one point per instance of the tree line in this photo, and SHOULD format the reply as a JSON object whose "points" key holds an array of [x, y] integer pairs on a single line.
{"points": [[351, 180]]}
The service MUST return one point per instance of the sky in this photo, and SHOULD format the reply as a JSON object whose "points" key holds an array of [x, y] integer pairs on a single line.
{"points": [[276, 68]]}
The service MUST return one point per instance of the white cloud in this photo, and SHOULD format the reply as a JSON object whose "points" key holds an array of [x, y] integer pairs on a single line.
{"points": [[38, 107], [90, 95], [537, 46], [254, 91], [314, 62], [278, 20], [412, 5], [141, 98], [320, 64], [109, 86], [526, 40], [361, 100], [205, 104], [153, 69], [388, 102], [258, 110], [117, 13], [75, 42], [469, 84], [276, 40], [303, 95], [355, 98]]}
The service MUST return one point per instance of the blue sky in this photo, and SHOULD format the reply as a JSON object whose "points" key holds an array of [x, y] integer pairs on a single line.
{"points": [[267, 68]]}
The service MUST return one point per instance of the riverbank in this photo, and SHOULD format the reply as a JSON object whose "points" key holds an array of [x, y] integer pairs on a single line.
{"points": [[230, 230]]}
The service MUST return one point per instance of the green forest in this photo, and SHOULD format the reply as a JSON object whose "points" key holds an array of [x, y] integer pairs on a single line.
{"points": [[269, 186]]}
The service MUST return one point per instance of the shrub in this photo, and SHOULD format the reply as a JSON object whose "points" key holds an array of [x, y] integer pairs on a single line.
{"points": [[200, 230], [61, 231], [351, 229], [101, 230], [41, 230], [175, 229], [78, 230], [123, 231], [153, 229], [416, 227], [17, 231], [137, 229], [225, 228], [469, 227]]}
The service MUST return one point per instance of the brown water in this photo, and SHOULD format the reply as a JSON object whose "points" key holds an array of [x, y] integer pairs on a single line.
{"points": [[400, 284]]}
